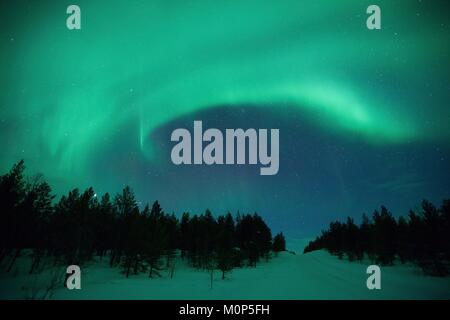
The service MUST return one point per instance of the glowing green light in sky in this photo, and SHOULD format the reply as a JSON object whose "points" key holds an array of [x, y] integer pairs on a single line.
{"points": [[65, 93]]}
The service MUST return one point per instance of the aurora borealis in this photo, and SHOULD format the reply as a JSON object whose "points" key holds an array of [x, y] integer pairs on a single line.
{"points": [[363, 115]]}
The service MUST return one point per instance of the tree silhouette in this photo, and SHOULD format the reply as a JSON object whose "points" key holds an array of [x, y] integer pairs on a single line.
{"points": [[421, 238], [279, 243], [80, 226]]}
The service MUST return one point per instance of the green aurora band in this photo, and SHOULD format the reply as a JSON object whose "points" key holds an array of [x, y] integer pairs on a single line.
{"points": [[65, 93]]}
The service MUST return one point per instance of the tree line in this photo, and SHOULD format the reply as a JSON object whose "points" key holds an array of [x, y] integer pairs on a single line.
{"points": [[423, 238], [81, 226]]}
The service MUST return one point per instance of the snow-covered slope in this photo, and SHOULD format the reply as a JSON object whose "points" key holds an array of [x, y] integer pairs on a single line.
{"points": [[316, 275]]}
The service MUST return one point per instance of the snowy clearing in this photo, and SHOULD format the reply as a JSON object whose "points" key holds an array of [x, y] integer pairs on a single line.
{"points": [[316, 275]]}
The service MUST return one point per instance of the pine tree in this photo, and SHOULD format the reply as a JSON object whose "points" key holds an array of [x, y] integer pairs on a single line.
{"points": [[225, 253], [279, 243], [128, 211], [157, 239], [184, 241], [39, 219], [12, 193]]}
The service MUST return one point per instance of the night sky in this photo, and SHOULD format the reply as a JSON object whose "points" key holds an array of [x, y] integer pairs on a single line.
{"points": [[363, 115]]}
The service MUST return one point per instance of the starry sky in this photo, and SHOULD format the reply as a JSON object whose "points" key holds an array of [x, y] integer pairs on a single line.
{"points": [[363, 115]]}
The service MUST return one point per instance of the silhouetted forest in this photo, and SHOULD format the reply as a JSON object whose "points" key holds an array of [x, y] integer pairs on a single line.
{"points": [[422, 238], [80, 226]]}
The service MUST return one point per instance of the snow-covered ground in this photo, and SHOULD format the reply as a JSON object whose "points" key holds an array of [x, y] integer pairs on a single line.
{"points": [[316, 275]]}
